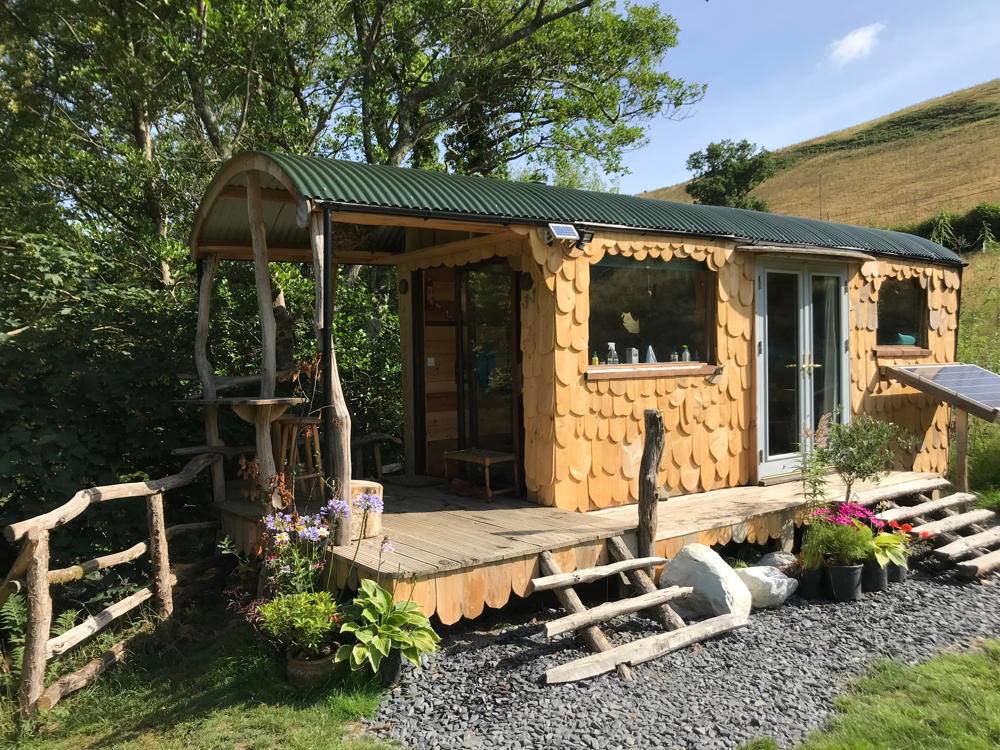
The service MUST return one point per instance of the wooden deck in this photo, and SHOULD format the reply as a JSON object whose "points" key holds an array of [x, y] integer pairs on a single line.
{"points": [[455, 555]]}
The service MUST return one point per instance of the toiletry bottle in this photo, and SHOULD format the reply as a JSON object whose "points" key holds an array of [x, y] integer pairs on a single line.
{"points": [[685, 353]]}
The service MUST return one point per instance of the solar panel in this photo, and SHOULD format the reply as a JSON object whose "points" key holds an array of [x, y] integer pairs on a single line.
{"points": [[969, 387]]}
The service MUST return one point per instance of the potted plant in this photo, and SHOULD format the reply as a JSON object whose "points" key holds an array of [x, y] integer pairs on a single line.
{"points": [[811, 561], [304, 625], [843, 544], [887, 549], [858, 450], [386, 632], [898, 566]]}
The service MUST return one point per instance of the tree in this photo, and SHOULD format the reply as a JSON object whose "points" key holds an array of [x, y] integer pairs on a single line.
{"points": [[726, 172]]}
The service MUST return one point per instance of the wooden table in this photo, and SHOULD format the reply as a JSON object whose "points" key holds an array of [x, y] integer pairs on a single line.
{"points": [[487, 459]]}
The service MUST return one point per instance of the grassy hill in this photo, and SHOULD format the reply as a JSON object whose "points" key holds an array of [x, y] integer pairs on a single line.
{"points": [[939, 155]]}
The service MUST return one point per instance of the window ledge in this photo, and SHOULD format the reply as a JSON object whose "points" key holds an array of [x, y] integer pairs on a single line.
{"points": [[895, 350], [652, 370]]}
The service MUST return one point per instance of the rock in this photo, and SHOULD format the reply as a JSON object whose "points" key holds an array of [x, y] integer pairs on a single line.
{"points": [[786, 562], [769, 587], [717, 589]]}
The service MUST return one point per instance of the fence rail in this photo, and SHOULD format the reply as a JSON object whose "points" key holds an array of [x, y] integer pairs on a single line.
{"points": [[30, 573]]}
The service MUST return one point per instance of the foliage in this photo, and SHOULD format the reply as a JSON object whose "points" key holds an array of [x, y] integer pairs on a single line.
{"points": [[294, 548], [380, 625], [836, 544], [889, 547], [976, 229], [813, 471], [858, 450], [304, 622], [989, 501], [726, 172], [208, 686]]}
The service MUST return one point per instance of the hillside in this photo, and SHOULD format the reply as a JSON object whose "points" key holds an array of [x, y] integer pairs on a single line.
{"points": [[941, 154]]}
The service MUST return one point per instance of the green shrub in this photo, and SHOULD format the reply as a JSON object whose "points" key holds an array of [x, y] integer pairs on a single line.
{"points": [[859, 450], [380, 625], [836, 544], [990, 501], [303, 622]]}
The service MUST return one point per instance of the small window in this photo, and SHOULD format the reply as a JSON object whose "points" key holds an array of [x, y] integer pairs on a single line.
{"points": [[650, 311], [902, 314]]}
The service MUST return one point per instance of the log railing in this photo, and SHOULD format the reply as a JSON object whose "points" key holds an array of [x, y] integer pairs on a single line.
{"points": [[30, 573]]}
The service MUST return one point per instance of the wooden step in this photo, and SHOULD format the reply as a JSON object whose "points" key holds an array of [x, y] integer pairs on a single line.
{"points": [[610, 610], [589, 575], [980, 566], [905, 513], [953, 523], [968, 546], [903, 489], [643, 650]]}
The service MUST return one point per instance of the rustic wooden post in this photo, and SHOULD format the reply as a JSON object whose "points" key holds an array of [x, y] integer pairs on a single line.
{"points": [[652, 452], [961, 450], [159, 556], [39, 622], [206, 374], [336, 418], [268, 327]]}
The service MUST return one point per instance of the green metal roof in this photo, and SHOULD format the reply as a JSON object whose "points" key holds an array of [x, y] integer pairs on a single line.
{"points": [[357, 186]]}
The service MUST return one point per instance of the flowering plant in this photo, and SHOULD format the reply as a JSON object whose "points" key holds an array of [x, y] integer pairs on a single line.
{"points": [[294, 546], [848, 514]]}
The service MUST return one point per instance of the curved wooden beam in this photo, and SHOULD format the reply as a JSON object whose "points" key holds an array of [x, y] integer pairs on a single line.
{"points": [[84, 498]]}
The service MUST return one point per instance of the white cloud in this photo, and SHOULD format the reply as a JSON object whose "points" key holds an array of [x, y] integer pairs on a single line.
{"points": [[856, 45]]}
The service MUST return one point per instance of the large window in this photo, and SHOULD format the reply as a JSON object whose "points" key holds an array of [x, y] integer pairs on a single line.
{"points": [[902, 314], [650, 311]]}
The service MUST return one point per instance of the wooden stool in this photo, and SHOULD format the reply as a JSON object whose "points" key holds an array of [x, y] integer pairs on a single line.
{"points": [[486, 459], [373, 440], [288, 433]]}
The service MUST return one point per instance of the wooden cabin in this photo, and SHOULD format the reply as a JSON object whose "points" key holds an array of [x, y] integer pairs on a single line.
{"points": [[537, 325]]}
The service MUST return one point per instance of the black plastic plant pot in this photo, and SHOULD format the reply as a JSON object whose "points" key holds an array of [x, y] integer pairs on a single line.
{"points": [[896, 573], [811, 583], [874, 577], [390, 669], [845, 581]]}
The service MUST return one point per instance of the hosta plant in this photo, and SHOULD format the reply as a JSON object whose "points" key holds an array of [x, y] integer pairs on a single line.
{"points": [[380, 625]]}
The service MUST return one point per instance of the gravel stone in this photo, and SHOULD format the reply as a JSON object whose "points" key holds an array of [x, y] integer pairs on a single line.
{"points": [[777, 677]]}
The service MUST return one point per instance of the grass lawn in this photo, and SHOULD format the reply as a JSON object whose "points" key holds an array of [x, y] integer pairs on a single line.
{"points": [[951, 702], [202, 693]]}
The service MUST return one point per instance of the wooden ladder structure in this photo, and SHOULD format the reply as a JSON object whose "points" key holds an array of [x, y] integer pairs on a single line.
{"points": [[961, 536], [585, 622]]}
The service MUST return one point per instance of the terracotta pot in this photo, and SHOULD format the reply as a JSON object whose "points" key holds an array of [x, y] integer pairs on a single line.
{"points": [[310, 673], [845, 582], [874, 577], [390, 669], [811, 583], [896, 573]]}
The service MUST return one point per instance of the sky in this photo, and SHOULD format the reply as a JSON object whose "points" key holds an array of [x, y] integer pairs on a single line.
{"points": [[784, 71]]}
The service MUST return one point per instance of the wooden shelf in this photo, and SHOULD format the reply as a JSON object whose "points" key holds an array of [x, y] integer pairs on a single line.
{"points": [[652, 370]]}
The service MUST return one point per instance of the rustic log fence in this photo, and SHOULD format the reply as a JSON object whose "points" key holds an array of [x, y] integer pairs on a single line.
{"points": [[31, 574]]}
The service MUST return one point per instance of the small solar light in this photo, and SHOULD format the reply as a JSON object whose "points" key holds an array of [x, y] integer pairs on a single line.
{"points": [[585, 238], [562, 232]]}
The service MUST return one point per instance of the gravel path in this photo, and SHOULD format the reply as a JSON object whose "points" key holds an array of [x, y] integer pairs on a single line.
{"points": [[777, 677]]}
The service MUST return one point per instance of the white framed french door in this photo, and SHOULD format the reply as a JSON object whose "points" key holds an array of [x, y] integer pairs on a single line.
{"points": [[802, 358]]}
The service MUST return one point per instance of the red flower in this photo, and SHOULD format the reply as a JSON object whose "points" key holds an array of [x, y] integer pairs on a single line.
{"points": [[893, 524], [906, 528], [925, 535]]}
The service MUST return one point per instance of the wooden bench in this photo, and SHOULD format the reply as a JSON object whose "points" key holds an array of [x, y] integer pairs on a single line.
{"points": [[487, 459]]}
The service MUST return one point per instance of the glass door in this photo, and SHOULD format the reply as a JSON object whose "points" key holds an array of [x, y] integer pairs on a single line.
{"points": [[801, 359]]}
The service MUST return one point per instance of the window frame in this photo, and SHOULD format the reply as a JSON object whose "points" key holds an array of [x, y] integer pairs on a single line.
{"points": [[921, 347], [706, 366]]}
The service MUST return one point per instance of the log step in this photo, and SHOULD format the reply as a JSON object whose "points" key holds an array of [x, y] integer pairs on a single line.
{"points": [[906, 513], [589, 575], [953, 523], [610, 610], [903, 489], [967, 546], [643, 650], [980, 566]]}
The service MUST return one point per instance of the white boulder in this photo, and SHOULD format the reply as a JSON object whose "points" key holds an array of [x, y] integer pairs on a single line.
{"points": [[769, 587], [717, 588], [786, 562]]}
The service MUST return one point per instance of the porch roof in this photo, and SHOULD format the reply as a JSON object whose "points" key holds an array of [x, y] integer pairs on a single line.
{"points": [[356, 187]]}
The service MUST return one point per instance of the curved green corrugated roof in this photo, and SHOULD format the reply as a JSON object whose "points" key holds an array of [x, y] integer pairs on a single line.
{"points": [[421, 192]]}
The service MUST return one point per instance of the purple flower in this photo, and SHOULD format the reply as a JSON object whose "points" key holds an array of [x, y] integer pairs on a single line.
{"points": [[310, 534], [270, 522], [386, 546], [336, 509], [369, 503]]}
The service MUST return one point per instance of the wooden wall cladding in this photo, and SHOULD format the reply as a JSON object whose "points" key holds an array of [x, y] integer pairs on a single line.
{"points": [[921, 415], [583, 440]]}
